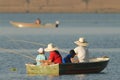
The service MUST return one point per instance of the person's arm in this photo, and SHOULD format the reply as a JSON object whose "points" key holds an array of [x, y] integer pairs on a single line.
{"points": [[74, 59], [46, 62]]}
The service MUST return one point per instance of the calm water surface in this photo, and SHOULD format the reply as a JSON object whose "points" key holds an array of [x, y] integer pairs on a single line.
{"points": [[19, 45]]}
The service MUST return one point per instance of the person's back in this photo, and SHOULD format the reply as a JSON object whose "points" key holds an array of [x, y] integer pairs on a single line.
{"points": [[68, 57], [55, 57], [81, 50], [41, 56], [82, 53]]}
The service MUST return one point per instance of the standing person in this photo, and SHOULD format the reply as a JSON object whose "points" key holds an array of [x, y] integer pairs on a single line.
{"points": [[41, 56], [37, 21], [69, 58], [54, 56], [81, 50]]}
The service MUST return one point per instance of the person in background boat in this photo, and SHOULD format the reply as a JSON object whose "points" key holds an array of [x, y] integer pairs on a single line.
{"points": [[57, 23], [69, 58], [82, 50], [37, 21], [54, 56], [41, 56]]}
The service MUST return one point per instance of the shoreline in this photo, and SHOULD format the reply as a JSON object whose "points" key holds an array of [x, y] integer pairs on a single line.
{"points": [[62, 6]]}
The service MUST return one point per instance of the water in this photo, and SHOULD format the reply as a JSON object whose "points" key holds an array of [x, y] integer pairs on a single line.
{"points": [[19, 45]]}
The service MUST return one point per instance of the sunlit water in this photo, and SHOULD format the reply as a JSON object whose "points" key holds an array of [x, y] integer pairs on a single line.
{"points": [[18, 46]]}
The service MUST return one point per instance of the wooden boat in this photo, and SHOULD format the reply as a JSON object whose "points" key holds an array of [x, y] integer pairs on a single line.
{"points": [[33, 25], [95, 65]]}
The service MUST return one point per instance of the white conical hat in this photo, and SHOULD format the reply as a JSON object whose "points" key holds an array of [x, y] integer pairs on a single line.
{"points": [[51, 47], [81, 42]]}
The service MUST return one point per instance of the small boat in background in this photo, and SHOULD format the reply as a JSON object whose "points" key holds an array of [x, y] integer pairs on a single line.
{"points": [[33, 25], [95, 65]]}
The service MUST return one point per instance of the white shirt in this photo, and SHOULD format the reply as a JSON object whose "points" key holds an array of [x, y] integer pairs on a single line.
{"points": [[82, 53]]}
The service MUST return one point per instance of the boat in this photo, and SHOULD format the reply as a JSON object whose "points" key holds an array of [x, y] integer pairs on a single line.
{"points": [[95, 65], [33, 25]]}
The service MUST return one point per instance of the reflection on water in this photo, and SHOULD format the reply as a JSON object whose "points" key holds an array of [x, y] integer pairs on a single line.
{"points": [[80, 77]]}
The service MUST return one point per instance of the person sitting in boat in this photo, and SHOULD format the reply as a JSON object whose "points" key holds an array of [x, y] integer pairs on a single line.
{"points": [[37, 21], [82, 50], [57, 23], [69, 58], [54, 57], [41, 56]]}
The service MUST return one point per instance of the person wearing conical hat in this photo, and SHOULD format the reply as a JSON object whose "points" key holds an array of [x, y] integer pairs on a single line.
{"points": [[54, 56], [82, 50]]}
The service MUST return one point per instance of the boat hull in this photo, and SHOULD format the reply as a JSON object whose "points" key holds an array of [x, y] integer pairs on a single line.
{"points": [[33, 25], [94, 66], [42, 70], [82, 68]]}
